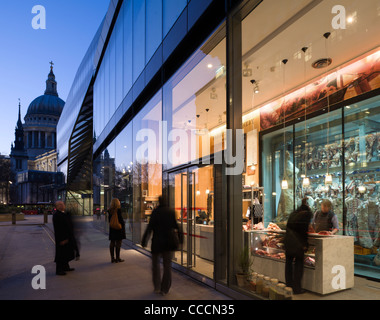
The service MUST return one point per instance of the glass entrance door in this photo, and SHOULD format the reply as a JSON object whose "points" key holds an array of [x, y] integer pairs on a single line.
{"points": [[187, 219], [191, 194]]}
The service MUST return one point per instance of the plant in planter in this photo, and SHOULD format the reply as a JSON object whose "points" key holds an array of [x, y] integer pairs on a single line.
{"points": [[245, 264]]}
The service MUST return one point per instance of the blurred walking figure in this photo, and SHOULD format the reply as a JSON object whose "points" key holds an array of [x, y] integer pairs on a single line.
{"points": [[166, 238], [116, 230], [66, 248], [296, 245]]}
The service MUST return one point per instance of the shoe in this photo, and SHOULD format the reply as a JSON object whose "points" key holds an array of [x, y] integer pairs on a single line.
{"points": [[60, 273], [300, 291], [70, 269], [113, 260], [163, 293], [158, 291], [119, 260]]}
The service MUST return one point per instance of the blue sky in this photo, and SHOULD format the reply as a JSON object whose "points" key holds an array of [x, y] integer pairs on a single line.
{"points": [[25, 53]]}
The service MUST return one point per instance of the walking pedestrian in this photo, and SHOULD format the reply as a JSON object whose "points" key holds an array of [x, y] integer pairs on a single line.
{"points": [[116, 230], [296, 245], [166, 238], [65, 244]]}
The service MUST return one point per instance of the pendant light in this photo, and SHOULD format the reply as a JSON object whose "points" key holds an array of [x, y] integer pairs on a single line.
{"points": [[306, 180], [328, 177], [284, 183]]}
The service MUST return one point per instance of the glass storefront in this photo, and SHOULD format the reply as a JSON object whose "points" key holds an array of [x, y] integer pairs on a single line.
{"points": [[147, 167], [313, 97], [310, 117]]}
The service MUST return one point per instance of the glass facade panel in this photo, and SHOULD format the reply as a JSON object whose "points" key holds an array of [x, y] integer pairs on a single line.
{"points": [[195, 105], [107, 99], [112, 54], [153, 27], [127, 57], [362, 167], [172, 10], [147, 167], [138, 46], [119, 52], [123, 189]]}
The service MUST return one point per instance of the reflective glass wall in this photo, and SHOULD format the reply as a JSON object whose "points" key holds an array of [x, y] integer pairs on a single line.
{"points": [[147, 164], [139, 30]]}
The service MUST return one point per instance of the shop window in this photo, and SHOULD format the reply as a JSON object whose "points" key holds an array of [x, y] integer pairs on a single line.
{"points": [[314, 116], [123, 189], [362, 162], [147, 164], [195, 105]]}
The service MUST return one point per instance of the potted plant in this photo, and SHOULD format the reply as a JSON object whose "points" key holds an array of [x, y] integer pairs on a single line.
{"points": [[245, 264]]}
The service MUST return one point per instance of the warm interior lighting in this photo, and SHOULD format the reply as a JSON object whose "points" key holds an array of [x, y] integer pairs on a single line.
{"points": [[284, 185], [328, 179], [306, 182], [362, 189]]}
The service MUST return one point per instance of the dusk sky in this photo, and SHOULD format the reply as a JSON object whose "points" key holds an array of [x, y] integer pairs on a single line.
{"points": [[25, 53]]}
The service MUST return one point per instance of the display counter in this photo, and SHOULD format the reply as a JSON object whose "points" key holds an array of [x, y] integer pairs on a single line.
{"points": [[204, 240], [329, 262]]}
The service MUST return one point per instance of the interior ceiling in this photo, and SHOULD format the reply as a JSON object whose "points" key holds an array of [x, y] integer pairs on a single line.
{"points": [[274, 31]]}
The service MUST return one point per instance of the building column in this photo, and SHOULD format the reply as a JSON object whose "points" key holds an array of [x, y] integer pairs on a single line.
{"points": [[234, 122]]}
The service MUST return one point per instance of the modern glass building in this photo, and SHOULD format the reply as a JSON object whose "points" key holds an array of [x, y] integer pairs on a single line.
{"points": [[233, 111]]}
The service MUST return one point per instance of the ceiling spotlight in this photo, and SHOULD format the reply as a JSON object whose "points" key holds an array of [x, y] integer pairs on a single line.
{"points": [[256, 88], [210, 66]]}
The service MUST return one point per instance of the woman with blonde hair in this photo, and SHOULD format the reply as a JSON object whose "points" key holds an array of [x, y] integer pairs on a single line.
{"points": [[116, 229]]}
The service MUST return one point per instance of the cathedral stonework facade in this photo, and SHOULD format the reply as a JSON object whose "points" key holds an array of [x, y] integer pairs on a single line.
{"points": [[33, 153]]}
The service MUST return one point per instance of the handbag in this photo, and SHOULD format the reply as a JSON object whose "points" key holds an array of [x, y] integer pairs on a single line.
{"points": [[174, 240], [114, 222]]}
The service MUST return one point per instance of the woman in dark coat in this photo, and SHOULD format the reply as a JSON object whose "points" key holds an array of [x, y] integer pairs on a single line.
{"points": [[116, 236]]}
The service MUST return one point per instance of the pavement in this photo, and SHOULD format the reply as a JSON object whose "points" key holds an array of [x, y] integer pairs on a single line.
{"points": [[30, 243]]}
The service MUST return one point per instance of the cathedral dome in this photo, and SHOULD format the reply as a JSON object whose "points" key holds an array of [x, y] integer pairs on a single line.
{"points": [[48, 104]]}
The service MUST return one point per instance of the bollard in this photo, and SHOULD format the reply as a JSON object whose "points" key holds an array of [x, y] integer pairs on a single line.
{"points": [[13, 218], [45, 217]]}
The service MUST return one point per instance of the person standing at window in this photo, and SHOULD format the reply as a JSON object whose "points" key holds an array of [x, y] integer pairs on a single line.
{"points": [[296, 245], [116, 233]]}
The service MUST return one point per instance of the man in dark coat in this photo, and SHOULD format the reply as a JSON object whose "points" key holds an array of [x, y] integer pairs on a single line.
{"points": [[296, 244], [65, 244], [163, 225]]}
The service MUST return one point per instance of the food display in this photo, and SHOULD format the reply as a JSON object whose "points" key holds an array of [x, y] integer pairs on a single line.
{"points": [[324, 252], [270, 244]]}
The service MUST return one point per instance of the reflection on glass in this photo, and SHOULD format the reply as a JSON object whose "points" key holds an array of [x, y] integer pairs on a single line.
{"points": [[127, 57], [123, 186], [191, 194], [153, 27], [172, 10], [278, 165], [147, 169], [195, 105], [138, 46], [362, 160]]}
